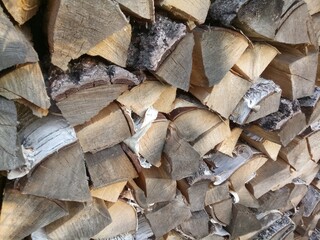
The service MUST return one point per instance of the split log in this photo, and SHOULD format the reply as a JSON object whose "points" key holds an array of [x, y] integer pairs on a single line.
{"points": [[138, 194], [41, 139], [216, 194], [21, 10], [197, 225], [311, 202], [307, 173], [254, 60], [64, 168], [144, 230], [246, 198], [88, 88], [109, 166], [26, 83], [22, 214], [161, 220], [141, 9], [69, 37], [213, 55], [316, 25], [15, 48], [229, 144], [110, 192], [105, 130], [310, 106], [313, 146], [262, 99], [119, 212], [83, 222], [282, 126], [313, 6], [216, 98], [221, 211]]}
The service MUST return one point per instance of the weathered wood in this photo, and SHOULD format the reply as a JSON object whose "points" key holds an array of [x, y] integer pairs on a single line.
{"points": [[64, 168], [21, 10], [313, 146], [216, 51], [262, 99], [228, 145], [109, 166], [197, 225], [216, 98], [313, 6], [216, 194], [72, 33], [124, 220], [115, 47], [83, 222], [138, 194], [110, 192], [316, 26], [15, 48], [41, 139], [23, 214], [176, 68], [142, 9], [310, 106], [306, 173], [246, 198], [221, 211], [26, 83], [105, 130]]}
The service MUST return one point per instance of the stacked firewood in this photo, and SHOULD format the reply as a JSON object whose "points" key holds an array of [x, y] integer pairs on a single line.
{"points": [[163, 119]]}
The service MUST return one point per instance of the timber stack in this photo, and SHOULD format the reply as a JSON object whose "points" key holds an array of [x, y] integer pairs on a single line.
{"points": [[159, 119]]}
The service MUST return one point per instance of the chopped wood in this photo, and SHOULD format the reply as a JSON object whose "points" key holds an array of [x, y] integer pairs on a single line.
{"points": [[197, 225], [313, 6], [22, 10], [22, 214], [83, 222], [310, 106], [216, 194], [313, 146], [213, 55], [203, 173], [138, 193], [109, 193], [105, 130], [221, 211], [142, 9], [246, 198], [316, 26], [109, 166], [228, 145], [310, 202], [307, 173], [215, 97]]}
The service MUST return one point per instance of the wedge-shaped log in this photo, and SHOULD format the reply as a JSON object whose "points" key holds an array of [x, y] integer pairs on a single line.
{"points": [[229, 144], [313, 145], [197, 226], [64, 168], [22, 214], [109, 166], [216, 51], [216, 194], [105, 130], [221, 211], [310, 106], [83, 222], [142, 8], [109, 193]]}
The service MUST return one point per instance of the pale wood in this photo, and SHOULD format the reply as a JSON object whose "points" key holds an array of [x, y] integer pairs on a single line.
{"points": [[197, 225], [138, 194], [246, 198], [164, 103], [316, 25], [105, 130], [70, 37], [313, 145], [216, 98], [144, 230], [254, 60], [124, 220], [15, 48], [22, 10], [228, 145], [22, 214], [216, 194], [306, 173], [147, 95], [115, 47], [41, 139], [188, 10], [142, 8], [310, 106], [176, 68], [216, 51], [83, 222], [110, 192], [26, 82], [109, 166], [65, 168]]}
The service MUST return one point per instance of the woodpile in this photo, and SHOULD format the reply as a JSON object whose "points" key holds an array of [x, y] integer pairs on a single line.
{"points": [[159, 119]]}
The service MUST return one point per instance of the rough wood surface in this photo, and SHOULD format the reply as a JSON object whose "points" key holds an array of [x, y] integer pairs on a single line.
{"points": [[216, 51], [310, 106], [110, 192], [142, 8], [22, 214], [216, 194], [75, 27], [313, 146], [229, 144], [197, 226]]}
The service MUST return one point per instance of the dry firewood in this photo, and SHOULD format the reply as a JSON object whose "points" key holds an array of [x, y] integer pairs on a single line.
{"points": [[110, 192], [64, 168], [310, 106], [203, 173], [41, 139], [109, 166], [89, 87], [254, 60], [316, 26], [297, 194], [144, 230], [157, 185], [216, 98], [307, 224], [23, 214], [228, 145], [267, 147], [26, 83], [124, 220], [149, 94], [313, 6], [70, 37], [246, 198], [221, 211], [22, 10], [197, 225], [311, 202], [294, 71], [138, 194], [213, 55], [313, 145], [83, 222], [282, 126], [142, 9], [306, 173], [169, 216], [105, 130], [115, 47], [262, 99], [216, 194], [181, 158], [15, 48]]}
